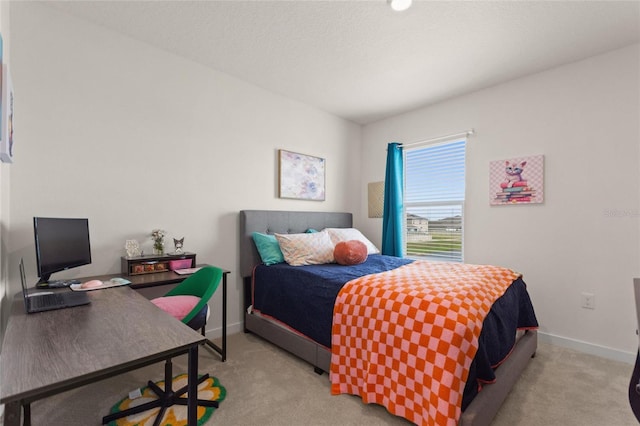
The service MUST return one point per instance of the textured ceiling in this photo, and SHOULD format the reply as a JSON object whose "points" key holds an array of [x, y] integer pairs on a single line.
{"points": [[362, 61]]}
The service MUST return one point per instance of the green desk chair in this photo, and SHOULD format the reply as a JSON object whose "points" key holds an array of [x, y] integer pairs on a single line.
{"points": [[202, 284]]}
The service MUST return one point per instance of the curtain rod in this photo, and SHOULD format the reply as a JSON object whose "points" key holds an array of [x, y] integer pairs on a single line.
{"points": [[467, 133]]}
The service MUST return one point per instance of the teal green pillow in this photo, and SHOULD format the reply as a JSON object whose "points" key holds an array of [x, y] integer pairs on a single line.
{"points": [[268, 248], [310, 231]]}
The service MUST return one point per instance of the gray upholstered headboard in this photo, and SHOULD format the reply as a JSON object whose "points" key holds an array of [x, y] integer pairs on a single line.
{"points": [[282, 222]]}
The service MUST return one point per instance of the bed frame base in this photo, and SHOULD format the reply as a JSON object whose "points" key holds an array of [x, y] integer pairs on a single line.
{"points": [[486, 404], [480, 411]]}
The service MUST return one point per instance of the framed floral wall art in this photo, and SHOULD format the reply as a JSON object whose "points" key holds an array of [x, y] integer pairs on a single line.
{"points": [[517, 181], [301, 176]]}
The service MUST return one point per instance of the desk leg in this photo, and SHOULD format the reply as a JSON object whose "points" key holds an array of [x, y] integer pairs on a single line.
{"points": [[192, 403], [12, 411], [27, 415], [221, 350], [224, 317]]}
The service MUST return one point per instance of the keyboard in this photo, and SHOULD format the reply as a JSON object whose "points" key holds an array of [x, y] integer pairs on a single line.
{"points": [[57, 284], [42, 300]]}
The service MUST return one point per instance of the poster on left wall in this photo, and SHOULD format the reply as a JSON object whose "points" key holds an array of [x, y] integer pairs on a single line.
{"points": [[6, 111], [7, 142]]}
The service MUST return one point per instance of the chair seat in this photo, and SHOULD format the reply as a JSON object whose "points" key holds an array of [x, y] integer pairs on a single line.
{"points": [[176, 306]]}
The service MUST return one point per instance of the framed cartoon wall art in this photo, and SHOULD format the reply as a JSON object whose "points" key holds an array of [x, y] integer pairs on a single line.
{"points": [[301, 176], [518, 180]]}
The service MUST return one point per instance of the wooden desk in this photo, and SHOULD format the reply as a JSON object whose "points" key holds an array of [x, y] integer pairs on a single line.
{"points": [[51, 352], [146, 281]]}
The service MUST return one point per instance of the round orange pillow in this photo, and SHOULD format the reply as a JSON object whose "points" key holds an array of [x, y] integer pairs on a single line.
{"points": [[350, 252]]}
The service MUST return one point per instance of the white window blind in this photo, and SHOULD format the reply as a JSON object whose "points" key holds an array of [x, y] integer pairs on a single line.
{"points": [[434, 200]]}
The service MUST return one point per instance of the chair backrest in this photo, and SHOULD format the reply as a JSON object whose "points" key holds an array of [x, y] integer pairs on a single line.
{"points": [[202, 284]]}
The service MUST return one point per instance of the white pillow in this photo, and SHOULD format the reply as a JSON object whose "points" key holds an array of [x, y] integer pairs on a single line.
{"points": [[347, 234], [306, 249]]}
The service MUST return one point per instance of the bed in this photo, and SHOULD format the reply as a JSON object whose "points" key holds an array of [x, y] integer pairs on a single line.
{"points": [[479, 411]]}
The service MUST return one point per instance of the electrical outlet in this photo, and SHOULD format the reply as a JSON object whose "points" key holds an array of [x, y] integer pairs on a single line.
{"points": [[588, 301]]}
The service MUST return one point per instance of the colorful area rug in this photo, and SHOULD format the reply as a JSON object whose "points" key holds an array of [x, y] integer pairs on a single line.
{"points": [[176, 415]]}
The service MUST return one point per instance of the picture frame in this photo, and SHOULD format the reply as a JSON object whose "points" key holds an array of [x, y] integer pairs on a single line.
{"points": [[516, 181], [301, 176], [6, 146], [6, 116], [375, 199], [133, 248]]}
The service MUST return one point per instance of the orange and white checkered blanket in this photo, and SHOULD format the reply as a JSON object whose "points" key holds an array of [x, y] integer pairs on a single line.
{"points": [[405, 338]]}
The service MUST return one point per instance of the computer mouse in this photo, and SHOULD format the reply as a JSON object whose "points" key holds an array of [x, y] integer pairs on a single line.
{"points": [[91, 284]]}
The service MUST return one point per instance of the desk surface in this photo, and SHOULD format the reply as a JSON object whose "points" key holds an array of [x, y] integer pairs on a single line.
{"points": [[54, 351], [147, 280]]}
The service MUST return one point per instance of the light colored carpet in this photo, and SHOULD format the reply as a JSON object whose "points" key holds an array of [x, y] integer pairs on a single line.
{"points": [[267, 386]]}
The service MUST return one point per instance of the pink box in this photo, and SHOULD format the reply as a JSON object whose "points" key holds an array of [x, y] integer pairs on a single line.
{"points": [[179, 264]]}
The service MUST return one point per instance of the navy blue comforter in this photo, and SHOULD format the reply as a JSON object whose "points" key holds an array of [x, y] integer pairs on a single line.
{"points": [[302, 297]]}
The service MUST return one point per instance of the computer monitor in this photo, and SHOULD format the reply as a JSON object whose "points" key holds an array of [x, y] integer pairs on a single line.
{"points": [[61, 243]]}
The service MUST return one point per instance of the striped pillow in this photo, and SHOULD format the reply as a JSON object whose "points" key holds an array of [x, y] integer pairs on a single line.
{"points": [[306, 249]]}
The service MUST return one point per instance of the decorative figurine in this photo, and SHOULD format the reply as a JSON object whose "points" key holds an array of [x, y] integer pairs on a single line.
{"points": [[178, 244], [132, 247]]}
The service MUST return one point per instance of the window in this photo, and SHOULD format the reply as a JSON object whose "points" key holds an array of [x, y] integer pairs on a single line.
{"points": [[434, 200]]}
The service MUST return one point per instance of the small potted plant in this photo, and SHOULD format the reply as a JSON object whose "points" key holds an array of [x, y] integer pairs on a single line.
{"points": [[157, 235]]}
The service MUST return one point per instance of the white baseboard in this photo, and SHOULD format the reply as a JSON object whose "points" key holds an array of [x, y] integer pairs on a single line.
{"points": [[214, 333], [589, 348]]}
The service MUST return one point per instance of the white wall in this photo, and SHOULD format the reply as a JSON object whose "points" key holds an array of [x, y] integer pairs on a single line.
{"points": [[584, 117], [135, 138]]}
